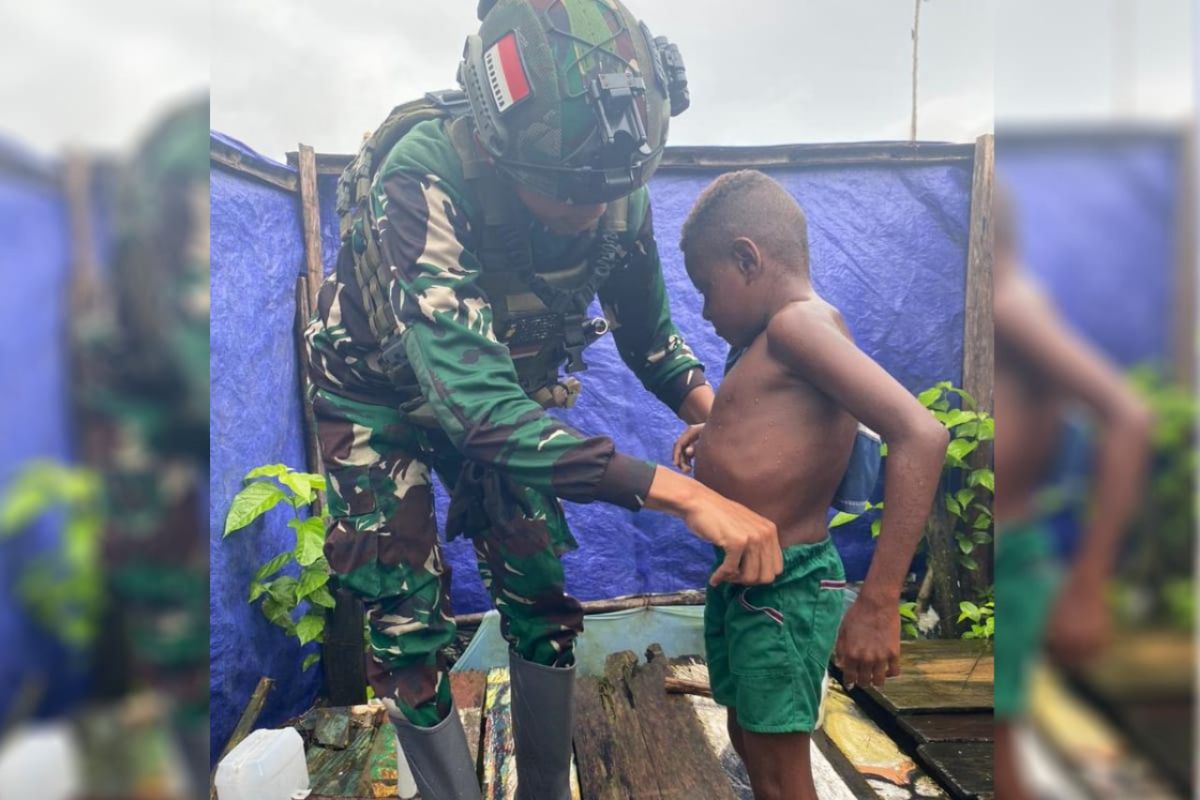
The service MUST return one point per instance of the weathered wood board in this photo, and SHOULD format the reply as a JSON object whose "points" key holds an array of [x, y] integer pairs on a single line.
{"points": [[965, 767], [926, 728], [937, 676]]}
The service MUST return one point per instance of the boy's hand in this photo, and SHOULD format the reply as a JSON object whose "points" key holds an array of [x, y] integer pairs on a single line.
{"points": [[1080, 624], [868, 643], [685, 447]]}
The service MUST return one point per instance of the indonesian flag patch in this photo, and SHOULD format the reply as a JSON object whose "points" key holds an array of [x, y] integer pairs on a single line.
{"points": [[506, 73]]}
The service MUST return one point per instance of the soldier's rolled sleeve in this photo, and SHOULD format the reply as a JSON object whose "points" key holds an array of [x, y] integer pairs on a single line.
{"points": [[648, 341], [468, 376]]}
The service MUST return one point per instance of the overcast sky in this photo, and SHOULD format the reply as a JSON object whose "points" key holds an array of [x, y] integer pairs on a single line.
{"points": [[97, 72]]}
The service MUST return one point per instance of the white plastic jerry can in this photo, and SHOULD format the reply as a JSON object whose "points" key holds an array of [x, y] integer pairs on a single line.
{"points": [[266, 765], [41, 760]]}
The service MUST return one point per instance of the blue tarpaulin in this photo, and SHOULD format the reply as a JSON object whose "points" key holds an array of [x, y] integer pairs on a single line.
{"points": [[1097, 221], [889, 248], [35, 263]]}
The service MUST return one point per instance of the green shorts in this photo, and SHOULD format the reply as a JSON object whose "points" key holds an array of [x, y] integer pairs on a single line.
{"points": [[768, 646], [1027, 578]]}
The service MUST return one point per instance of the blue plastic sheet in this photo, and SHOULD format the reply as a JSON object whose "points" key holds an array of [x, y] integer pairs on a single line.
{"points": [[889, 248], [34, 263], [1096, 219]]}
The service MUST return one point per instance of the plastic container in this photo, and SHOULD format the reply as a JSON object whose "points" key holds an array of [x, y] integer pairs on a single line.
{"points": [[40, 761], [266, 765]]}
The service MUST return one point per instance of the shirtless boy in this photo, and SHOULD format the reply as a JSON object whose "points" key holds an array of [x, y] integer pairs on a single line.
{"points": [[778, 441]]}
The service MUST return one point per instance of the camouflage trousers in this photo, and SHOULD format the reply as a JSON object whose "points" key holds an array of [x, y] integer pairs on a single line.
{"points": [[383, 544]]}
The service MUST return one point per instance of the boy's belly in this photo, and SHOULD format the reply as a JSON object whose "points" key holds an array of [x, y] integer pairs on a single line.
{"points": [[785, 475]]}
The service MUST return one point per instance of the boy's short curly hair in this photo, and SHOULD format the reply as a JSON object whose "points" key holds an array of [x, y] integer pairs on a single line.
{"points": [[748, 204]]}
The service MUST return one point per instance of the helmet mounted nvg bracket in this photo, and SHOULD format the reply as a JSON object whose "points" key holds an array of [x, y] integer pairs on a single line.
{"points": [[624, 158]]}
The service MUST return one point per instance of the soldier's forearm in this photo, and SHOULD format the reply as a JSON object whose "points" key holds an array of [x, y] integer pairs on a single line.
{"points": [[697, 405]]}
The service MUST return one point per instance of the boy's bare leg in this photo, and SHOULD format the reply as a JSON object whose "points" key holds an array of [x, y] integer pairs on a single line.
{"points": [[778, 763]]}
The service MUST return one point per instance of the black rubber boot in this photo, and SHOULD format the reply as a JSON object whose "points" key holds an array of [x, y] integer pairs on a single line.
{"points": [[439, 759], [543, 712]]}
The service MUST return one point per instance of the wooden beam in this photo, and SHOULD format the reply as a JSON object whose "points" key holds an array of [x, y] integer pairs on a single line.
{"points": [[310, 212], [788, 155], [77, 185], [1183, 288], [246, 724], [685, 598], [312, 447], [234, 160], [978, 343]]}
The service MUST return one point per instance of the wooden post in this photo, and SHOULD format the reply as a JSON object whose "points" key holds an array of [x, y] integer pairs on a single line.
{"points": [[950, 581], [1183, 289], [310, 212], [978, 343]]}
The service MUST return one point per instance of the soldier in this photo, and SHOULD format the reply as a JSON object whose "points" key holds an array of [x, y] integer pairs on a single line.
{"points": [[477, 227]]}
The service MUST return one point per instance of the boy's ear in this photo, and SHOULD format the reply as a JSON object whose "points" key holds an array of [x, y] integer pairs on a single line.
{"points": [[747, 256]]}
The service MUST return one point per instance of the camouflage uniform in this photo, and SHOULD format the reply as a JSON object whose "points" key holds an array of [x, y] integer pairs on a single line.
{"points": [[462, 410], [142, 397]]}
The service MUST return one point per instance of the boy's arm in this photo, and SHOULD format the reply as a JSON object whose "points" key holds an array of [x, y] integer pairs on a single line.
{"points": [[1027, 324], [868, 646]]}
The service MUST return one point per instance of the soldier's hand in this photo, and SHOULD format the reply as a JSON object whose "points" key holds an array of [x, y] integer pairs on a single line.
{"points": [[750, 540], [685, 447]]}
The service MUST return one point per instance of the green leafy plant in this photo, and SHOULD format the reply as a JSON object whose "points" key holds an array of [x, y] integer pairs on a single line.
{"points": [[908, 620], [982, 617], [282, 595], [63, 588]]}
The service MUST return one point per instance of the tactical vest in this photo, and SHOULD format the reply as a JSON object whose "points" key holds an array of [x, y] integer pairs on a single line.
{"points": [[538, 310]]}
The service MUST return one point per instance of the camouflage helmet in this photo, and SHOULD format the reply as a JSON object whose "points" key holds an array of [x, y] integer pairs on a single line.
{"points": [[571, 98]]}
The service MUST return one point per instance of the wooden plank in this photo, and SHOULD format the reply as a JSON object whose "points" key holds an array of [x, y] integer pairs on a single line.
{"points": [[601, 771], [926, 728], [978, 344], [233, 160], [939, 675], [638, 774], [337, 773], [964, 767], [835, 154], [684, 765], [1183, 290], [888, 770], [310, 214], [684, 598]]}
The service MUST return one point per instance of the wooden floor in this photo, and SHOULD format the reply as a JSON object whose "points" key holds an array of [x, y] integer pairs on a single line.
{"points": [[636, 739]]}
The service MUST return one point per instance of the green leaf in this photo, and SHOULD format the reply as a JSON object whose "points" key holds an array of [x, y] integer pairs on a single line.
{"points": [[981, 537], [968, 610], [908, 611], [251, 503], [309, 660], [310, 540], [883, 450], [952, 506], [283, 590], [311, 580], [876, 527], [310, 627], [321, 597], [271, 567], [299, 485], [964, 544], [968, 562], [964, 497], [987, 430], [315, 480], [968, 430], [961, 448], [267, 471], [909, 630], [967, 399], [278, 613], [927, 397], [842, 518], [984, 477], [957, 416], [257, 590]]}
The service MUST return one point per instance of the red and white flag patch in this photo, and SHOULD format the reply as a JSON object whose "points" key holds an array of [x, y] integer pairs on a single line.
{"points": [[506, 73]]}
